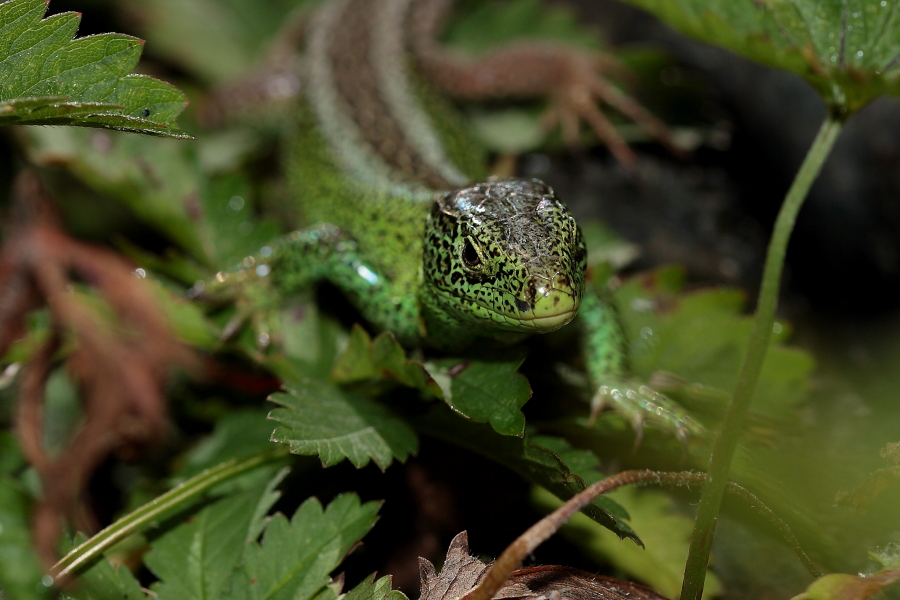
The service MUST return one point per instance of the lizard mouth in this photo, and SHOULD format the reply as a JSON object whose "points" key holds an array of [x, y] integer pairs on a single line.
{"points": [[548, 322], [555, 306], [553, 309]]}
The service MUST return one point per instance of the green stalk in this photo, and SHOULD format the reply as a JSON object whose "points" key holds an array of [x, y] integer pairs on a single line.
{"points": [[733, 422], [151, 513]]}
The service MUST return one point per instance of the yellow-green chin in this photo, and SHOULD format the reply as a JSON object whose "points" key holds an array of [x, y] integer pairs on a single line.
{"points": [[550, 312]]}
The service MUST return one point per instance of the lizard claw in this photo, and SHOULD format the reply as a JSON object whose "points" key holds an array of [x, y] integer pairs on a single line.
{"points": [[578, 100], [638, 404], [255, 301]]}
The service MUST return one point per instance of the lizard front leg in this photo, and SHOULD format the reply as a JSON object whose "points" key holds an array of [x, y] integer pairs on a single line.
{"points": [[324, 252], [604, 349]]}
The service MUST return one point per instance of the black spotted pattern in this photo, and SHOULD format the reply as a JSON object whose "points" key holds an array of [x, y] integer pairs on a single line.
{"points": [[525, 238]]}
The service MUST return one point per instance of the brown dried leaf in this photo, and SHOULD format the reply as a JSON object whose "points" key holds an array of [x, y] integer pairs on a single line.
{"points": [[462, 572], [119, 361]]}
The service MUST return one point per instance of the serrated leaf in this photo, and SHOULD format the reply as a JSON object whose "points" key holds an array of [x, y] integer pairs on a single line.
{"points": [[322, 420], [665, 533], [48, 78], [383, 357], [377, 590], [295, 557], [847, 50], [534, 462], [486, 391], [103, 581], [195, 559], [701, 337]]}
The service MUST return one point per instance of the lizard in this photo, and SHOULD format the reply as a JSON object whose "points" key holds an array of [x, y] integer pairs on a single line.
{"points": [[404, 219]]}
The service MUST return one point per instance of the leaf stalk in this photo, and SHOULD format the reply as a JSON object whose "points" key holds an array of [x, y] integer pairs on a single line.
{"points": [[178, 498], [735, 415]]}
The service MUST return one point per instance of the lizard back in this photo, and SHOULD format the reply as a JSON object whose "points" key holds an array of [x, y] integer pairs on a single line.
{"points": [[374, 146]]}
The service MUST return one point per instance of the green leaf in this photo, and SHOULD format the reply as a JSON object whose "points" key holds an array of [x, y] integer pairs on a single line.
{"points": [[334, 424], [20, 567], [887, 556], [11, 458], [507, 130], [62, 412], [103, 581], [701, 337], [238, 434], [48, 78], [862, 496], [480, 26], [385, 358], [310, 340], [164, 184], [195, 559], [159, 180], [233, 231], [534, 461], [377, 590], [873, 486], [187, 320], [840, 586], [295, 557], [846, 49], [486, 391], [604, 246], [218, 40], [665, 533]]}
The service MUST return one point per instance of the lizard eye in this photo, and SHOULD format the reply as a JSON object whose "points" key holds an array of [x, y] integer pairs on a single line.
{"points": [[470, 255]]}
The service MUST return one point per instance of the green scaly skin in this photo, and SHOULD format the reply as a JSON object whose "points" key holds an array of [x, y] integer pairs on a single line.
{"points": [[418, 249]]}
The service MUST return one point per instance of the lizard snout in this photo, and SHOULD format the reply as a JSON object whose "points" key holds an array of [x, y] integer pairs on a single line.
{"points": [[548, 304]]}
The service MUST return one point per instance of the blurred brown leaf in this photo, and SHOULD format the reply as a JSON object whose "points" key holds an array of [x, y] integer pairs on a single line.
{"points": [[121, 350]]}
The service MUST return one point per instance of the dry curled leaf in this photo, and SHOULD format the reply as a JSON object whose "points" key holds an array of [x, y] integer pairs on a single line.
{"points": [[119, 356], [462, 572], [464, 577]]}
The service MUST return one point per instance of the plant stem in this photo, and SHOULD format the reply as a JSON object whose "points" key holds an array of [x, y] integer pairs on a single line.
{"points": [[733, 422], [151, 513]]}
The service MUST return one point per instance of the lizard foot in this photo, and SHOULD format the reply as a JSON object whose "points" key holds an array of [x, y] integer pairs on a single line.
{"points": [[640, 403], [253, 297], [578, 98]]}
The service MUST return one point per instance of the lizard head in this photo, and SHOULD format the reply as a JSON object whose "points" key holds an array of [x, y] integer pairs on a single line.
{"points": [[507, 254]]}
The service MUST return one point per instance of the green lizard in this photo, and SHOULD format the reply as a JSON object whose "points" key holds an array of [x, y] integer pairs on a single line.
{"points": [[381, 168]]}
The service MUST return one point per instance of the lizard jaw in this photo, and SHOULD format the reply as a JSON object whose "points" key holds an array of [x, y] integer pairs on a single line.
{"points": [[553, 309]]}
